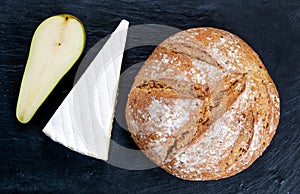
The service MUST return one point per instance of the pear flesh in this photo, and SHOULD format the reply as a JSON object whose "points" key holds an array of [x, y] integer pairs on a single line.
{"points": [[56, 45]]}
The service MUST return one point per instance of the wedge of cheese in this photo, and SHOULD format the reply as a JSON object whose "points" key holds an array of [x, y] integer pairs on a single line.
{"points": [[83, 121]]}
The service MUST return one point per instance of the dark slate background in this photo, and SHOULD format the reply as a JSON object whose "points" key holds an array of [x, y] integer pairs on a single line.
{"points": [[30, 161]]}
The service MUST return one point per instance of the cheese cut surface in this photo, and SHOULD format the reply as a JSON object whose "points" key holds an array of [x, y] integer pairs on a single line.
{"points": [[83, 122]]}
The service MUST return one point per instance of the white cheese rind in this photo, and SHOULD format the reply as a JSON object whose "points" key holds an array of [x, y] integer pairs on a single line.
{"points": [[83, 121]]}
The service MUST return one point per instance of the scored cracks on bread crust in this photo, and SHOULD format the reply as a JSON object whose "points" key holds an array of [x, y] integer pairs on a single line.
{"points": [[203, 106]]}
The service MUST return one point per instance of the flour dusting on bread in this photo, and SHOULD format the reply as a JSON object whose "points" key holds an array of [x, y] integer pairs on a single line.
{"points": [[203, 106]]}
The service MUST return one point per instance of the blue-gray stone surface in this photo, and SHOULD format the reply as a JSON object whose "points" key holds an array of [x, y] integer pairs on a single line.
{"points": [[30, 161]]}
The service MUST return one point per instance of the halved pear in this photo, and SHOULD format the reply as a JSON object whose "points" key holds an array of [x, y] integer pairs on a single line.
{"points": [[56, 45]]}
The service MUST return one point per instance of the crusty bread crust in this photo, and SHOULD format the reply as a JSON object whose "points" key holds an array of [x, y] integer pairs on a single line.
{"points": [[203, 106]]}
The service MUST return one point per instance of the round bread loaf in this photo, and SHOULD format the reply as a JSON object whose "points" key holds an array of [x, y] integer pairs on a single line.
{"points": [[203, 106]]}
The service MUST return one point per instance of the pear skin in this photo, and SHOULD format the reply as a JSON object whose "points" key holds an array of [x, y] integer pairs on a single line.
{"points": [[56, 45]]}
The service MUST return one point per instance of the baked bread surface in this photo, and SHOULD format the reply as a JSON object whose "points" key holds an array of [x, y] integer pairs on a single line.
{"points": [[203, 106]]}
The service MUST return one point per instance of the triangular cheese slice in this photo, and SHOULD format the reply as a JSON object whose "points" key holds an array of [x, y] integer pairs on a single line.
{"points": [[83, 121]]}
